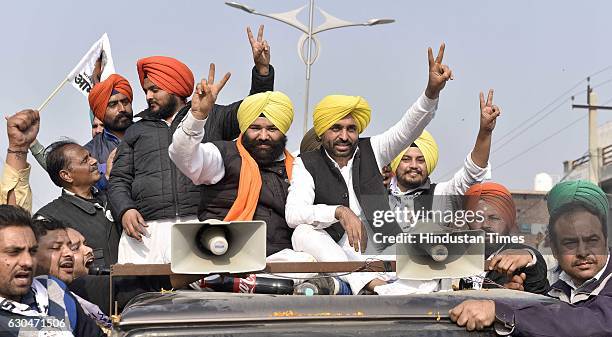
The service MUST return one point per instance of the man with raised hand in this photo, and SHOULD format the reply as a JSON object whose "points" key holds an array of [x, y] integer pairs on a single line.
{"points": [[411, 189], [246, 179], [147, 193], [21, 129], [336, 191]]}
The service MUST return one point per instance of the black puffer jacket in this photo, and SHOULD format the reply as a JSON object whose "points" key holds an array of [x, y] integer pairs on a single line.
{"points": [[144, 178]]}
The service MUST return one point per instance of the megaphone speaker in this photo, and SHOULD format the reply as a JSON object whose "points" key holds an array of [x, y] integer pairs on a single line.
{"points": [[215, 246], [437, 252]]}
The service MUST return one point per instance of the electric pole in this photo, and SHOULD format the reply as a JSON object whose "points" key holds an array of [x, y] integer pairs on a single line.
{"points": [[594, 158]]}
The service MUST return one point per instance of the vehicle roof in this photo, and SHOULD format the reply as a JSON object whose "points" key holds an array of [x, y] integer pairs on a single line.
{"points": [[207, 307]]}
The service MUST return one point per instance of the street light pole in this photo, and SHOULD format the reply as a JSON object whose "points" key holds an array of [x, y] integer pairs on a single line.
{"points": [[291, 19], [308, 65]]}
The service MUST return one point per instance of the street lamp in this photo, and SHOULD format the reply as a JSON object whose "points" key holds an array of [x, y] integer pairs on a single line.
{"points": [[291, 19]]}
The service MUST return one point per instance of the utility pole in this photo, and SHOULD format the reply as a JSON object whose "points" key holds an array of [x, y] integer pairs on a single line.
{"points": [[594, 158]]}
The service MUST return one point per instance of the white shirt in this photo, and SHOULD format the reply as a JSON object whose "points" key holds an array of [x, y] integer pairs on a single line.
{"points": [[300, 207], [570, 282], [202, 163], [463, 179], [445, 192]]}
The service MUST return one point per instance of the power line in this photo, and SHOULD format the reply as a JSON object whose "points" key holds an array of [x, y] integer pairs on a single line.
{"points": [[600, 84], [600, 71], [542, 141], [565, 93], [529, 127], [512, 139], [528, 149]]}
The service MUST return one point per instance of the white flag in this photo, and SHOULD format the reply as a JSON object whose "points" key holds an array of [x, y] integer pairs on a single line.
{"points": [[81, 75]]}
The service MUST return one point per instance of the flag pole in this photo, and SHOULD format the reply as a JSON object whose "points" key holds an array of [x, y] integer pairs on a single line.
{"points": [[42, 106]]}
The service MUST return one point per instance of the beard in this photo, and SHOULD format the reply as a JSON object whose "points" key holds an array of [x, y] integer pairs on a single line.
{"points": [[120, 123], [264, 156], [410, 183], [167, 110]]}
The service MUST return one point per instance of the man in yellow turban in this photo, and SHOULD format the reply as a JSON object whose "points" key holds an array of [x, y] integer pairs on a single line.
{"points": [[248, 178], [337, 192], [411, 189], [146, 191]]}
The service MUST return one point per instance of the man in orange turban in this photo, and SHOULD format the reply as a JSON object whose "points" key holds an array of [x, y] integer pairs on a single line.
{"points": [[167, 82], [512, 263], [495, 201], [111, 103], [147, 191]]}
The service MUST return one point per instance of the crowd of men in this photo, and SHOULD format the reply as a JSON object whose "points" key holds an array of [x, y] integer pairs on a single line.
{"points": [[187, 158]]}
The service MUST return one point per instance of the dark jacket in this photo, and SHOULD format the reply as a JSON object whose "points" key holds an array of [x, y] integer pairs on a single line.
{"points": [[96, 289], [63, 314], [143, 176], [92, 219], [331, 189], [102, 145], [535, 281], [100, 148], [217, 199], [590, 315]]}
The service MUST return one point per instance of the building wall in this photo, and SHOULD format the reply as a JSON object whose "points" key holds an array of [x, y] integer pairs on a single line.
{"points": [[531, 215]]}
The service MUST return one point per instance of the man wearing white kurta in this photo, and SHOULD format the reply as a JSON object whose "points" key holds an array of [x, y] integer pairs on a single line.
{"points": [[411, 190], [246, 179], [335, 191]]}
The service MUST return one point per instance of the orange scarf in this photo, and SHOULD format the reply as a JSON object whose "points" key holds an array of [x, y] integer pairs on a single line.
{"points": [[249, 185]]}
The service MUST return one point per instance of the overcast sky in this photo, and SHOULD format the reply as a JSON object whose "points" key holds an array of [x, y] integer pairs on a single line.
{"points": [[533, 53]]}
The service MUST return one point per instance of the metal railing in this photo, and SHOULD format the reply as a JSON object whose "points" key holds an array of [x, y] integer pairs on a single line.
{"points": [[580, 161], [606, 155]]}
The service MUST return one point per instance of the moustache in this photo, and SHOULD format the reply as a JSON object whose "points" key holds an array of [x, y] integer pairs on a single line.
{"points": [[67, 263], [24, 272], [581, 261], [417, 171], [123, 114]]}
